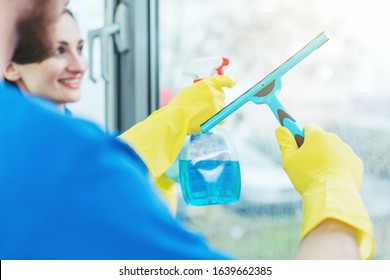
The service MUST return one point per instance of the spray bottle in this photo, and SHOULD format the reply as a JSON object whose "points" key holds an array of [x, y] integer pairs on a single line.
{"points": [[208, 164]]}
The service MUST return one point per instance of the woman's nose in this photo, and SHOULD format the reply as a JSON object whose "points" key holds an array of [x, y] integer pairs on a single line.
{"points": [[78, 63]]}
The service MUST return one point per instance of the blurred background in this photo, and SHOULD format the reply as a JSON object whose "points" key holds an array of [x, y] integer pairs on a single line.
{"points": [[344, 86]]}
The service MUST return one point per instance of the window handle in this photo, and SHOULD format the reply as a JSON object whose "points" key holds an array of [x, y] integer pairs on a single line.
{"points": [[119, 31]]}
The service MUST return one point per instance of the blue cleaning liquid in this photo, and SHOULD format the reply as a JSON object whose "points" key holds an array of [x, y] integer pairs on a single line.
{"points": [[210, 182]]}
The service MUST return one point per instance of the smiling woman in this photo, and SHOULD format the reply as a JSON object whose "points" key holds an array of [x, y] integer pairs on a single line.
{"points": [[59, 77]]}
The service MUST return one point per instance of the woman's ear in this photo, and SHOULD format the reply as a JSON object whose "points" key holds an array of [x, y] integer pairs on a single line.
{"points": [[11, 72]]}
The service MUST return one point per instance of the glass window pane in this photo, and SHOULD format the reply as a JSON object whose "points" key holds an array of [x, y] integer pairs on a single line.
{"points": [[343, 86]]}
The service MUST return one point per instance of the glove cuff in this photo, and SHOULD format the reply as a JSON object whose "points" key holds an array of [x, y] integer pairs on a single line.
{"points": [[343, 204]]}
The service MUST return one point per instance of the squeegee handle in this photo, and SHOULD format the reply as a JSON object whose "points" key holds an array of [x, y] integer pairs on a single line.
{"points": [[286, 120]]}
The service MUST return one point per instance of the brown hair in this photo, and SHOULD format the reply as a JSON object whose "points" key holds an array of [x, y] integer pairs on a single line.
{"points": [[34, 31], [27, 52]]}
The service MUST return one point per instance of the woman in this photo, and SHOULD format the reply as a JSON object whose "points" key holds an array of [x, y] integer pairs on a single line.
{"points": [[159, 138]]}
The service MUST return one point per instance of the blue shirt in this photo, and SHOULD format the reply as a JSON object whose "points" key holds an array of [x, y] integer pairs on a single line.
{"points": [[70, 191]]}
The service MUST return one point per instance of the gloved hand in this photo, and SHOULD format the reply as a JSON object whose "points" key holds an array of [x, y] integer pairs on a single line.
{"points": [[202, 100], [159, 138], [328, 175]]}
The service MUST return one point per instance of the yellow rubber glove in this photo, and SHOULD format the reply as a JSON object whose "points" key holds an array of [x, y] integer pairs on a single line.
{"points": [[328, 175], [159, 138]]}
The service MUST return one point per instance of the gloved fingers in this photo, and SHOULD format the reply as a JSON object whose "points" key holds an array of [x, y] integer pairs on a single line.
{"points": [[214, 100], [220, 103], [332, 141], [312, 128], [223, 81], [323, 138], [320, 136], [217, 96], [286, 141]]}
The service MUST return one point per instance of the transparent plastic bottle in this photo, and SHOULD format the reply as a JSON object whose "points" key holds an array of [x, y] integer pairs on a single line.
{"points": [[207, 166], [209, 169]]}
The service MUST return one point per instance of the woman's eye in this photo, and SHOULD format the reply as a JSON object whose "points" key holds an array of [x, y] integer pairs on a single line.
{"points": [[80, 49], [60, 50]]}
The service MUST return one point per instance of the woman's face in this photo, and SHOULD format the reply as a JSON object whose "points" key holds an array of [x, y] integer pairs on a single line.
{"points": [[59, 77]]}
